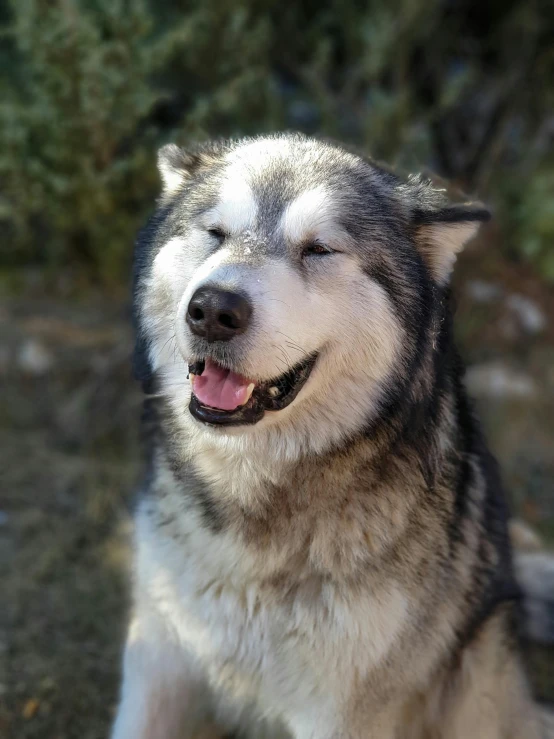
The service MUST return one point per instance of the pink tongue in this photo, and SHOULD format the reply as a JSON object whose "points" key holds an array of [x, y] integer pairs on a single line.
{"points": [[220, 388]]}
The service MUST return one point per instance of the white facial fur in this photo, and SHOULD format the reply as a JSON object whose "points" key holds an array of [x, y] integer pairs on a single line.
{"points": [[333, 308], [312, 215], [237, 209]]}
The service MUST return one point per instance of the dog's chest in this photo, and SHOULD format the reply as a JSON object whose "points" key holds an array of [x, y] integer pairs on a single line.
{"points": [[278, 640]]}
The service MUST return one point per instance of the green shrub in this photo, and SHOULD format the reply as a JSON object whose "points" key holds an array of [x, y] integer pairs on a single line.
{"points": [[529, 216], [93, 87]]}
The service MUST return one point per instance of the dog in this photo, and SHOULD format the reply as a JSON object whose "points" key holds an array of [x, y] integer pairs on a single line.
{"points": [[321, 539]]}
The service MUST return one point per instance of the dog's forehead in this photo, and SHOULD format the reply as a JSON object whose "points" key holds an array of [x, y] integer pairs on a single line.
{"points": [[293, 185]]}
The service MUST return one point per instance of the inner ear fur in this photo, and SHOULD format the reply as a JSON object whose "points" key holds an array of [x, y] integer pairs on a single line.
{"points": [[443, 232], [177, 165]]}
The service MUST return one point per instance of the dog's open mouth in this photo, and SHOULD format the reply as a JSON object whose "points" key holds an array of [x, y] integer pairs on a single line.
{"points": [[223, 397]]}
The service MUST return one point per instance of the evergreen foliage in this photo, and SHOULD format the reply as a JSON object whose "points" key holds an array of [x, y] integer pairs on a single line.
{"points": [[93, 87]]}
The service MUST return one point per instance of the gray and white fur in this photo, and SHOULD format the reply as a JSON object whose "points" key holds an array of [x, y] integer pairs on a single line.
{"points": [[339, 569]]}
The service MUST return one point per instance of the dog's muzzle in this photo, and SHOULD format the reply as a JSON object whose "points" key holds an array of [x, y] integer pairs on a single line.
{"points": [[223, 397]]}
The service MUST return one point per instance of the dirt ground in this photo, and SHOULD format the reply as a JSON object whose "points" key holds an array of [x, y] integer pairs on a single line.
{"points": [[70, 461]]}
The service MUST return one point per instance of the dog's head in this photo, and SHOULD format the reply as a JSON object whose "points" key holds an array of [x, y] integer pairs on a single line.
{"points": [[285, 285]]}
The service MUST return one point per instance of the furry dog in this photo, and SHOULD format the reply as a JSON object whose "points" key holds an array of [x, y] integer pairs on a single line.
{"points": [[321, 542]]}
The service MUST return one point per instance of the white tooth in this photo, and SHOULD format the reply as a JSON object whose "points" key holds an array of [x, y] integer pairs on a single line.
{"points": [[274, 391], [191, 376], [249, 391]]}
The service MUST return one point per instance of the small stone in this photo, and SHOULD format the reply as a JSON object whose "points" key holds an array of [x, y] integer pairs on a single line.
{"points": [[483, 292], [30, 708], [498, 381], [530, 317], [34, 358]]}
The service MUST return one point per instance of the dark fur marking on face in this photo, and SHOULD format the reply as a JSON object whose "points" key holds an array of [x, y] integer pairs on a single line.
{"points": [[403, 408], [383, 274], [273, 197]]}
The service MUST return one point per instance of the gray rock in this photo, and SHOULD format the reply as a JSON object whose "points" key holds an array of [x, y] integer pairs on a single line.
{"points": [[535, 573], [483, 292], [34, 358], [530, 317], [496, 380]]}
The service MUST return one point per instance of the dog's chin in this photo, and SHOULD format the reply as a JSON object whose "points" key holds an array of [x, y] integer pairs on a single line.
{"points": [[272, 395]]}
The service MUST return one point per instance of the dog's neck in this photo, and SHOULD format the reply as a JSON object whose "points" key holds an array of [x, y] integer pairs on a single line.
{"points": [[342, 510]]}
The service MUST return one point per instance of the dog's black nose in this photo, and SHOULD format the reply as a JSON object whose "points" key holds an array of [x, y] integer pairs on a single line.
{"points": [[218, 315]]}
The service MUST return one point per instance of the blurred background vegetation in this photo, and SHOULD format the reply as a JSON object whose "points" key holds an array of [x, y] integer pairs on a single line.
{"points": [[89, 90], [464, 88]]}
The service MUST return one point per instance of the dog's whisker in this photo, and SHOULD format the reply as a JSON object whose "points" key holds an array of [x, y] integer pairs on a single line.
{"points": [[171, 338], [290, 339]]}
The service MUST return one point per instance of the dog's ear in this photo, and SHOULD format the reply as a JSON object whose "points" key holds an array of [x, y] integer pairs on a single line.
{"points": [[442, 232], [176, 166]]}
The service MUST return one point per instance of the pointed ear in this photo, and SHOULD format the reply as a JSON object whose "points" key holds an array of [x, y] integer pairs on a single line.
{"points": [[175, 166], [442, 233]]}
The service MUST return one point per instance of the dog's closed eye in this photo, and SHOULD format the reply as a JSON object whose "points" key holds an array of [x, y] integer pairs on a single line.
{"points": [[218, 233], [315, 248]]}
